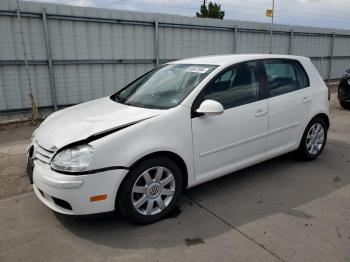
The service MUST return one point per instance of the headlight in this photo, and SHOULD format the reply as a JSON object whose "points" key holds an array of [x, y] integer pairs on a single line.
{"points": [[74, 159]]}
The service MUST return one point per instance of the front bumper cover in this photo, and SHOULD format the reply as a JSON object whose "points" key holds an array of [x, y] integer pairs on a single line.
{"points": [[53, 188]]}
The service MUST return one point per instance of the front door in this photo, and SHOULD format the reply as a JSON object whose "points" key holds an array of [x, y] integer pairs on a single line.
{"points": [[236, 138]]}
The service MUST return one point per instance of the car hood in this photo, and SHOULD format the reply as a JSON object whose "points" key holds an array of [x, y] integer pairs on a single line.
{"points": [[85, 120]]}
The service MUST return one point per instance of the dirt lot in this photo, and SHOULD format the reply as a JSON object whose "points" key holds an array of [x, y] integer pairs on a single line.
{"points": [[280, 210], [14, 139]]}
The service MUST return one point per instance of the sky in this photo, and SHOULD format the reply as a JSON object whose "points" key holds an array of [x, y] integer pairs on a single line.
{"points": [[318, 13]]}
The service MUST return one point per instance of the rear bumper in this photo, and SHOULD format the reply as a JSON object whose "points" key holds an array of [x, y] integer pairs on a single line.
{"points": [[70, 195]]}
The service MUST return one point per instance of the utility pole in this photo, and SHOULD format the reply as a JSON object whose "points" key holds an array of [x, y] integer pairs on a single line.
{"points": [[271, 29]]}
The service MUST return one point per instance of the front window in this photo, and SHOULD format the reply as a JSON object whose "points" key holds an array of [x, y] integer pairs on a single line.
{"points": [[237, 86], [164, 87]]}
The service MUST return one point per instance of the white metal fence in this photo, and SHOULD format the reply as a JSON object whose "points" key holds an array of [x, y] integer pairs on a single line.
{"points": [[65, 55]]}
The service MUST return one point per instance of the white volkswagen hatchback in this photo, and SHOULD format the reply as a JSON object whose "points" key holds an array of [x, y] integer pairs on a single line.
{"points": [[177, 126]]}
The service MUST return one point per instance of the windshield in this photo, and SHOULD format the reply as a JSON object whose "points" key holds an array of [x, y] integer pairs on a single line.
{"points": [[164, 87]]}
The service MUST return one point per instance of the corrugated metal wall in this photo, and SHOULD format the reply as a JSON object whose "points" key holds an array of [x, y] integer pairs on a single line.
{"points": [[97, 51]]}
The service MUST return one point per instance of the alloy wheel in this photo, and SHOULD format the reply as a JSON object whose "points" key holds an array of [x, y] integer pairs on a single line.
{"points": [[315, 138], [153, 190]]}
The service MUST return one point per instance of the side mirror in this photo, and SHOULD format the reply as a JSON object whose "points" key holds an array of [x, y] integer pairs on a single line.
{"points": [[210, 108]]}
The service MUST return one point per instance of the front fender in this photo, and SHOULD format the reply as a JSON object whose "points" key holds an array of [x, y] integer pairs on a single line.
{"points": [[169, 132]]}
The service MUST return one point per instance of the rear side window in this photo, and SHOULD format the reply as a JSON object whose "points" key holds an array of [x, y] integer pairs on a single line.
{"points": [[284, 76]]}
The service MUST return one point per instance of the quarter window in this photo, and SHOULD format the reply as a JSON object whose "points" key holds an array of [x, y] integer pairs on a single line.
{"points": [[235, 87], [303, 79], [284, 76]]}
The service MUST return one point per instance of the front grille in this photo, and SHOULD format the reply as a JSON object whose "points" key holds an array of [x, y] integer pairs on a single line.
{"points": [[42, 154]]}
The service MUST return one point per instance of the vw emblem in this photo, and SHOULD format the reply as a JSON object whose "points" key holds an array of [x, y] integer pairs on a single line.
{"points": [[154, 190]]}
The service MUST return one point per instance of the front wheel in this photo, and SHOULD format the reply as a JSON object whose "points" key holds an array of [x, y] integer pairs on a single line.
{"points": [[152, 189], [313, 140]]}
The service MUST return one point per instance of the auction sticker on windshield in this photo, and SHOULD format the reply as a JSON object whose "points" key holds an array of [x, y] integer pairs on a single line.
{"points": [[197, 69]]}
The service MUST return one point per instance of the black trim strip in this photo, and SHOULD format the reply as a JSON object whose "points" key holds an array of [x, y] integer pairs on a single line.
{"points": [[94, 171], [98, 136], [110, 131]]}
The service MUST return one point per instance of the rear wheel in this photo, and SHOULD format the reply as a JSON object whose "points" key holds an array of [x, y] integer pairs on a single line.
{"points": [[152, 189], [313, 140]]}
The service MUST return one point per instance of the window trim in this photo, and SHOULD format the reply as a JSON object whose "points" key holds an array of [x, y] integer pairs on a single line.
{"points": [[261, 86], [287, 60]]}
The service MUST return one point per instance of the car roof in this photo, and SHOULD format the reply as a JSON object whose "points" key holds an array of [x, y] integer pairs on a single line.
{"points": [[231, 59]]}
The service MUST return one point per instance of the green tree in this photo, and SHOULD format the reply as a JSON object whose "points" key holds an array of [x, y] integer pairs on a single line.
{"points": [[212, 11]]}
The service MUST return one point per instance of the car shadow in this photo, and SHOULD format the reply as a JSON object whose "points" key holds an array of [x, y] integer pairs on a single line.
{"points": [[279, 185]]}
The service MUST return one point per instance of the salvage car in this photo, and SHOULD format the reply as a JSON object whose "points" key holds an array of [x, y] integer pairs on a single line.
{"points": [[344, 90], [181, 124]]}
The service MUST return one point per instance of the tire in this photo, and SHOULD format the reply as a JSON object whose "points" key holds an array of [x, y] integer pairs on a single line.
{"points": [[152, 189], [307, 152], [345, 105]]}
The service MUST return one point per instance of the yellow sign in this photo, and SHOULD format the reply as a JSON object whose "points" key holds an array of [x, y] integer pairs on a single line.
{"points": [[269, 13]]}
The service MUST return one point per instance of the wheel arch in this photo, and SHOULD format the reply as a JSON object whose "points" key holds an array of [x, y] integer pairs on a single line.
{"points": [[324, 117], [171, 155], [300, 149], [321, 115]]}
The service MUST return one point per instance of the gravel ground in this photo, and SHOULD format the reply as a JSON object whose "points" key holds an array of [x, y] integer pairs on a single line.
{"points": [[13, 141]]}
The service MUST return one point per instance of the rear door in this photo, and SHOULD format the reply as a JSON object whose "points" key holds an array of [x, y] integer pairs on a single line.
{"points": [[289, 103]]}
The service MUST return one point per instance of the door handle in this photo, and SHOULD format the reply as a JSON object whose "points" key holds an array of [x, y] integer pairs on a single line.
{"points": [[260, 112], [306, 100]]}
